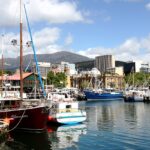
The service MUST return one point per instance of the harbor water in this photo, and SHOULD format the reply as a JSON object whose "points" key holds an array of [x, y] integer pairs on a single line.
{"points": [[109, 125]]}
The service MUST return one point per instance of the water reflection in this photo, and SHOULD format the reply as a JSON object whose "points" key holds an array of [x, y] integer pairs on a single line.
{"points": [[118, 125], [130, 111], [110, 115], [66, 136], [109, 125], [106, 120], [100, 116], [28, 140]]}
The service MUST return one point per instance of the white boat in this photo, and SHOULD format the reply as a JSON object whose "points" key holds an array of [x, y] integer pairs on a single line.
{"points": [[147, 95], [134, 95], [65, 111]]}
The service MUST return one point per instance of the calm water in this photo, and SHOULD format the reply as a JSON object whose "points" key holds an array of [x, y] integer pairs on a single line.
{"points": [[109, 125]]}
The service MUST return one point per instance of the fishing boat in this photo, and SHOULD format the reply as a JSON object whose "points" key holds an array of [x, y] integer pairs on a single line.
{"points": [[65, 111], [135, 95], [103, 95], [97, 92], [147, 95], [20, 113]]}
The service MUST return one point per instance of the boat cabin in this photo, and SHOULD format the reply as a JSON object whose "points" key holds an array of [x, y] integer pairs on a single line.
{"points": [[59, 96], [63, 107]]}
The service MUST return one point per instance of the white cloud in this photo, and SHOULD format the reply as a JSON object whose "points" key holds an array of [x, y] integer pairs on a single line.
{"points": [[48, 49], [132, 49], [46, 36], [51, 11], [44, 41], [131, 46], [69, 39], [109, 1], [9, 50], [54, 11], [148, 6], [93, 52], [145, 43], [8, 11]]}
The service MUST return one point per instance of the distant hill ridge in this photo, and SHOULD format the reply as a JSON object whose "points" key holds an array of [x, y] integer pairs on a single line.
{"points": [[13, 63]]}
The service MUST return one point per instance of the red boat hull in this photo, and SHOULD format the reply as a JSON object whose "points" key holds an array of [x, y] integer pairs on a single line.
{"points": [[34, 118]]}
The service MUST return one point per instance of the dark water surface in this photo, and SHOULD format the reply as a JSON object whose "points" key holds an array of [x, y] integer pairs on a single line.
{"points": [[109, 125]]}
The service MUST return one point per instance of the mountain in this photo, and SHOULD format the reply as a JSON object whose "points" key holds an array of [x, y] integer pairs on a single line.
{"points": [[13, 63]]}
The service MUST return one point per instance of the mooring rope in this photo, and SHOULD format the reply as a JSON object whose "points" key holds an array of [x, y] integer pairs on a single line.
{"points": [[17, 123]]}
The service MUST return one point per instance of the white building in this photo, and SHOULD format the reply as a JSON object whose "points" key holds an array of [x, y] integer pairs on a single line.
{"points": [[138, 65], [145, 68], [68, 68], [44, 68]]}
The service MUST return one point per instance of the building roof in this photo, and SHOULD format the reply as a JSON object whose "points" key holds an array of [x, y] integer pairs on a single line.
{"points": [[16, 77]]}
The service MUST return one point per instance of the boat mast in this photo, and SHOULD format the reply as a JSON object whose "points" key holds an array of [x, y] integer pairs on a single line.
{"points": [[21, 53], [35, 57], [133, 77], [2, 71]]}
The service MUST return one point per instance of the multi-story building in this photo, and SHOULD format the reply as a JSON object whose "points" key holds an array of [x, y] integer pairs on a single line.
{"points": [[103, 62], [56, 68], [106, 80], [85, 65], [44, 68], [68, 68], [115, 70], [113, 81], [145, 68], [128, 67]]}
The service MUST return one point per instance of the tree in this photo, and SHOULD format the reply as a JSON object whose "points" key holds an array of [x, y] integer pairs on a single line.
{"points": [[6, 72], [138, 79], [85, 84], [50, 77], [58, 79], [61, 78]]}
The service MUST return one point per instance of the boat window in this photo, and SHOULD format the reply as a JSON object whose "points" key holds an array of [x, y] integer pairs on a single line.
{"points": [[66, 96], [68, 106], [10, 104], [7, 103]]}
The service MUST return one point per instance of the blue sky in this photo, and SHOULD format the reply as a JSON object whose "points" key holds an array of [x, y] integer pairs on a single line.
{"points": [[87, 27]]}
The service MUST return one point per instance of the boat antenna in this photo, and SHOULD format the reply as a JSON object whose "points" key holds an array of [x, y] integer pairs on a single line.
{"points": [[21, 53], [34, 51]]}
